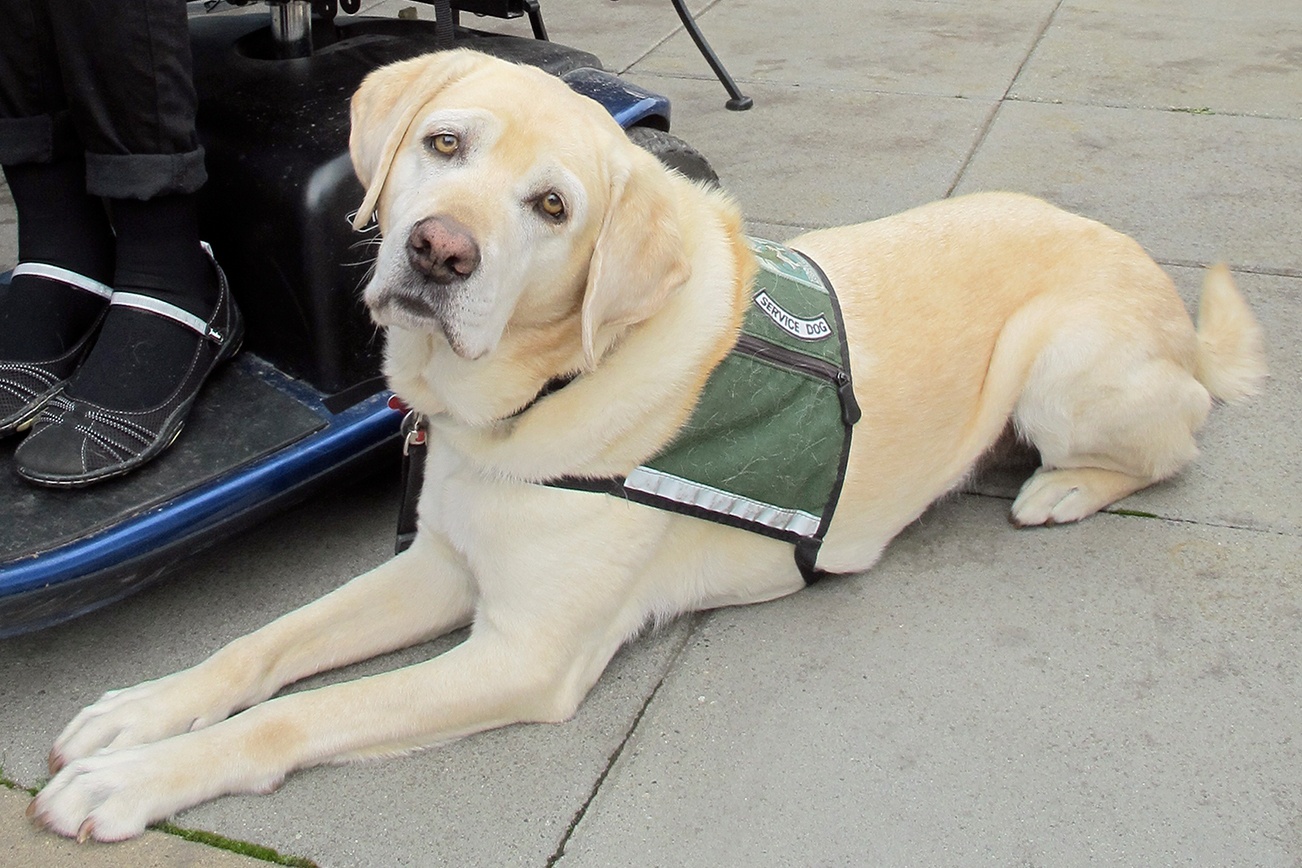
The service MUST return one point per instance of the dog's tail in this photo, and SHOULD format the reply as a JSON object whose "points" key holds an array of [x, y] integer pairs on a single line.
{"points": [[1231, 357]]}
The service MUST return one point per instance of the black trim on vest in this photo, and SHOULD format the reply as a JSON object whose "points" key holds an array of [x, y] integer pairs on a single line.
{"points": [[807, 549], [614, 486]]}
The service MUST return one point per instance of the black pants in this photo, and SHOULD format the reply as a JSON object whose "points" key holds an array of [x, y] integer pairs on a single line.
{"points": [[107, 78]]}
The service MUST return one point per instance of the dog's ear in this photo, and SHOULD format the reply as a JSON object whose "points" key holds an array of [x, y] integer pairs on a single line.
{"points": [[638, 262], [385, 106]]}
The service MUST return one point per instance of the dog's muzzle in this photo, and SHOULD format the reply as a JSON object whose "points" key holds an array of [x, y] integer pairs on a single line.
{"points": [[442, 250]]}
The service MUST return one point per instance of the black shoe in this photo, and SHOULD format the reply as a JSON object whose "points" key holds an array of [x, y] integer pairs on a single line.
{"points": [[75, 442], [26, 387]]}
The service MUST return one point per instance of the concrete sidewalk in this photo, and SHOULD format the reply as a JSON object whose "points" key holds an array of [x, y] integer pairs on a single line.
{"points": [[1122, 692]]}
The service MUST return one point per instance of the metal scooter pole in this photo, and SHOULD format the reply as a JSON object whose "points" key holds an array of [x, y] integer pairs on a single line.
{"points": [[291, 27]]}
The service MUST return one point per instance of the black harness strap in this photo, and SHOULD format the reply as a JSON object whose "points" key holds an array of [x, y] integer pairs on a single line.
{"points": [[807, 549], [414, 428], [552, 386]]}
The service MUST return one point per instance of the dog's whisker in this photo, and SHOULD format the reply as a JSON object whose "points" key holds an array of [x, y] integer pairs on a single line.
{"points": [[366, 277]]}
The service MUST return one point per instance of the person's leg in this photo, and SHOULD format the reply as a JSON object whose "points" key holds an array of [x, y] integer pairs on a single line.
{"points": [[58, 290], [143, 156], [58, 225], [138, 357], [130, 397]]}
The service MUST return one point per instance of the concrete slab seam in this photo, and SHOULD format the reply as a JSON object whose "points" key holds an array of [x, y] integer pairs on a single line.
{"points": [[1122, 512], [1265, 271], [670, 35], [201, 837], [994, 113], [1179, 109], [559, 853], [798, 86]]}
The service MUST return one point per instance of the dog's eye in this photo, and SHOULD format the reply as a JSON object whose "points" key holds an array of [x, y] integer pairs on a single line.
{"points": [[446, 144], [552, 205]]}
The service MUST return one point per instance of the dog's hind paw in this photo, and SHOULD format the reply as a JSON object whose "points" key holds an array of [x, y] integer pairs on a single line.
{"points": [[1063, 496]]}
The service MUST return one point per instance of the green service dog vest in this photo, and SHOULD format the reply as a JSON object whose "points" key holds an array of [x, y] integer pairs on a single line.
{"points": [[766, 447]]}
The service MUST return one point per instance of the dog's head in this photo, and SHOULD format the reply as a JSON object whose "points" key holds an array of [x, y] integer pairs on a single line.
{"points": [[507, 203]]}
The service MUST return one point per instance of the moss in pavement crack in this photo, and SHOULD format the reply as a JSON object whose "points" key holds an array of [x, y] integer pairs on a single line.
{"points": [[211, 839], [244, 848]]}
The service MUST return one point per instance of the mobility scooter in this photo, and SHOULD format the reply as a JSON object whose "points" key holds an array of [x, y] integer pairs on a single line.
{"points": [[304, 407]]}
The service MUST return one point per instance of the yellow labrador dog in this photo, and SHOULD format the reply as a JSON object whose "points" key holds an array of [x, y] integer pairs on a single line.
{"points": [[524, 237]]}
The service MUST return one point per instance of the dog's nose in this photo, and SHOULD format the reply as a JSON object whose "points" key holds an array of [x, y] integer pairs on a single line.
{"points": [[442, 249]]}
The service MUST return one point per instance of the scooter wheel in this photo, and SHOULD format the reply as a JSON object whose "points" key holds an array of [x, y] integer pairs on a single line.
{"points": [[674, 153]]}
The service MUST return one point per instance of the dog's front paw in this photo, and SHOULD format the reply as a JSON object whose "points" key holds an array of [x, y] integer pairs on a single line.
{"points": [[143, 714], [109, 797]]}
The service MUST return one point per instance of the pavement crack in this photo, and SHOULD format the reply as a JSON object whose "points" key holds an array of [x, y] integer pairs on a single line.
{"points": [[1264, 270], [559, 852], [984, 132], [681, 28], [1123, 512]]}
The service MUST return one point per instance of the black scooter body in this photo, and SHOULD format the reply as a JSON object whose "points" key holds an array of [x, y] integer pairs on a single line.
{"points": [[303, 408]]}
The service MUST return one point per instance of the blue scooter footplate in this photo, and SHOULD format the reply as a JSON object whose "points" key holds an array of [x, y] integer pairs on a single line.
{"points": [[258, 441]]}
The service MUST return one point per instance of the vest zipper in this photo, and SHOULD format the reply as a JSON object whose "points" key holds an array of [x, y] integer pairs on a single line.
{"points": [[758, 348]]}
